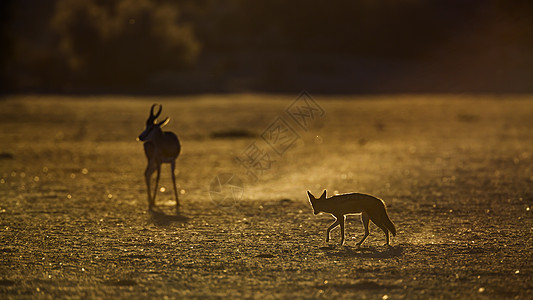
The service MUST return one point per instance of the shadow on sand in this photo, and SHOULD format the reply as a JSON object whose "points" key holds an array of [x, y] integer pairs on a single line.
{"points": [[359, 285], [160, 218], [363, 252]]}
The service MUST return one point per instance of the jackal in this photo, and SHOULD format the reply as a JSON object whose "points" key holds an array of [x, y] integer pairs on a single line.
{"points": [[370, 208]]}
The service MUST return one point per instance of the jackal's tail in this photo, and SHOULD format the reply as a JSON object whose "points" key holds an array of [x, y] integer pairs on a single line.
{"points": [[381, 218], [388, 223]]}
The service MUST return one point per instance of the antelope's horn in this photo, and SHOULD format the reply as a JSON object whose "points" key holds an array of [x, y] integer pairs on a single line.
{"points": [[158, 111], [152, 110]]}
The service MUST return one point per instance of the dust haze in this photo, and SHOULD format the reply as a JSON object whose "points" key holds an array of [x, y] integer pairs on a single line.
{"points": [[454, 170]]}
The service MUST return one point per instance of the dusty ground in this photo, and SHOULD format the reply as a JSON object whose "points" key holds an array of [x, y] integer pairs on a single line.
{"points": [[455, 171]]}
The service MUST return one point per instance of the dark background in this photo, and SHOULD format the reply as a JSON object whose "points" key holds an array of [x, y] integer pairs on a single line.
{"points": [[192, 46]]}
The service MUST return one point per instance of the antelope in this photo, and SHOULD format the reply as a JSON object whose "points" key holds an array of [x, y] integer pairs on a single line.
{"points": [[159, 147]]}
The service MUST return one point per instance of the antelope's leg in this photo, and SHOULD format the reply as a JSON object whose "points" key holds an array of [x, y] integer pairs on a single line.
{"points": [[156, 182], [172, 168], [147, 177]]}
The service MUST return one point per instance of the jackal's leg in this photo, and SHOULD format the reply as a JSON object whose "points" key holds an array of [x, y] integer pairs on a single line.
{"points": [[172, 168], [342, 229], [333, 225], [365, 219], [385, 230]]}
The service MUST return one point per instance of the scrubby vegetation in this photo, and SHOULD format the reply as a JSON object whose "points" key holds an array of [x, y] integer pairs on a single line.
{"points": [[269, 45]]}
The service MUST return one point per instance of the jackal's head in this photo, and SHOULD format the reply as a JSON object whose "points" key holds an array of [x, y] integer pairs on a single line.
{"points": [[315, 203]]}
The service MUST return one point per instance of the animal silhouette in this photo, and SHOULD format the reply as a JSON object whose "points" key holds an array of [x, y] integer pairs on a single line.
{"points": [[159, 147], [370, 208]]}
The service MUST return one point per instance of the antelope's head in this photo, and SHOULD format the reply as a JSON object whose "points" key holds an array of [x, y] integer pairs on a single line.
{"points": [[152, 126]]}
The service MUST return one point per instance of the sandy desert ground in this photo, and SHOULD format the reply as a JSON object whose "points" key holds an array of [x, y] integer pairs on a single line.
{"points": [[456, 172]]}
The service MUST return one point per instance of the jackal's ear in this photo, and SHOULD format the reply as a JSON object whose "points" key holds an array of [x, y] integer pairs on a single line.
{"points": [[323, 195], [310, 195]]}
